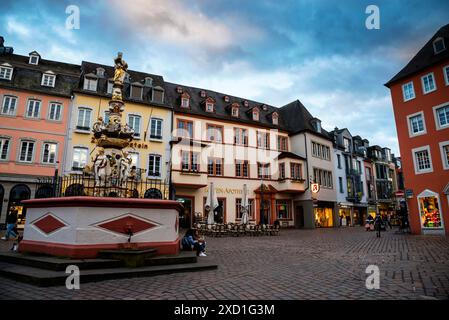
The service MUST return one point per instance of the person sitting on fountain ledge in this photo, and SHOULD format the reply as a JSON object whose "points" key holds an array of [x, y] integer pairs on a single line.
{"points": [[192, 241]]}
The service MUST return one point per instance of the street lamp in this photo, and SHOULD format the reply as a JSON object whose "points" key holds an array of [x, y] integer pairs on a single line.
{"points": [[262, 219]]}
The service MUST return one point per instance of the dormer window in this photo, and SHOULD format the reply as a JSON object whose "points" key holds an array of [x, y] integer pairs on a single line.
{"points": [[255, 114], [126, 77], [148, 82], [34, 58], [158, 94], [90, 82], [209, 107], [179, 90], [438, 45], [226, 99], [185, 100], [6, 71], [48, 79], [245, 103], [275, 118], [110, 86], [316, 123], [136, 91], [100, 72], [210, 104], [203, 94]]}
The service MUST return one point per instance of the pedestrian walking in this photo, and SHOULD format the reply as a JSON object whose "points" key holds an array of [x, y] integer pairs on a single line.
{"points": [[378, 225], [11, 221]]}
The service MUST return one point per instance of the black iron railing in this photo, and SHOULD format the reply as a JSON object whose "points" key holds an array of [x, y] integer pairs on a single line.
{"points": [[86, 185]]}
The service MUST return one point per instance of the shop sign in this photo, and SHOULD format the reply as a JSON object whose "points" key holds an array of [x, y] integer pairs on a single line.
{"points": [[409, 193], [399, 194], [315, 187]]}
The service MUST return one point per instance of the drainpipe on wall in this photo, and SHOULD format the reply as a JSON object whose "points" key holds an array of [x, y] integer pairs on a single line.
{"points": [[68, 136], [307, 166]]}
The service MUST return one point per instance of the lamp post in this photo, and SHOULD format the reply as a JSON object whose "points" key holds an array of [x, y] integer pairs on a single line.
{"points": [[55, 179], [262, 219]]}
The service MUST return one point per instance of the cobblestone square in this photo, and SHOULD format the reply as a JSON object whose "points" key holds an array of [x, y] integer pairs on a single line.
{"points": [[298, 264]]}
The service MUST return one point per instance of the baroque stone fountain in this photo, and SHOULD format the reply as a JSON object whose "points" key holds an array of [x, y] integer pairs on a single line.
{"points": [[84, 226]]}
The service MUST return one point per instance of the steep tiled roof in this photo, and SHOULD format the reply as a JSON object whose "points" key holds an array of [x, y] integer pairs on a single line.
{"points": [[29, 77], [298, 119], [222, 108], [90, 69], [425, 57]]}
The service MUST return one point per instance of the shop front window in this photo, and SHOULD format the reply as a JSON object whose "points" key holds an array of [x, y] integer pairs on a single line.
{"points": [[323, 217], [430, 211], [283, 209]]}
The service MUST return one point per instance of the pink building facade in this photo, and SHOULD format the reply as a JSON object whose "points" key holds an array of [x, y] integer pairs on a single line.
{"points": [[35, 102]]}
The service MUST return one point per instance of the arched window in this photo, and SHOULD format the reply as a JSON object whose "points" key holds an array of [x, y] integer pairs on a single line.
{"points": [[75, 189], [153, 193], [45, 191], [19, 192]]}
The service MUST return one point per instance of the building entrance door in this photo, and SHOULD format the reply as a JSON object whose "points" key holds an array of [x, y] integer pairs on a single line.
{"points": [[299, 217], [266, 211], [185, 215]]}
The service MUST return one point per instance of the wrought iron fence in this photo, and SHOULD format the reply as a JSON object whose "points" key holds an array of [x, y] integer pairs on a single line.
{"points": [[85, 185]]}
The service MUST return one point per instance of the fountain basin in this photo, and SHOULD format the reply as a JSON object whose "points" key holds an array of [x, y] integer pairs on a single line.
{"points": [[81, 227]]}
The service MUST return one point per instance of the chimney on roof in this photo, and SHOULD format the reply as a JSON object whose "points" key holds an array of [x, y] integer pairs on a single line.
{"points": [[5, 50]]}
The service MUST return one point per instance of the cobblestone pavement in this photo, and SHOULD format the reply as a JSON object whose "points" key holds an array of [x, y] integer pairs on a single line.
{"points": [[298, 264]]}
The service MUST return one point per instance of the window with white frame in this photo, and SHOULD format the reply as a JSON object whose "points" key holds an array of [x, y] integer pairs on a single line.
{"points": [[26, 151], [185, 102], [263, 140], [408, 91], [134, 123], [154, 165], [446, 75], [416, 124], [106, 117], [134, 159], [422, 160], [442, 116], [209, 107], [90, 84], [110, 86], [33, 108], [80, 156], [49, 153], [438, 45], [156, 129], [428, 83], [444, 148], [5, 73], [84, 116], [48, 80], [256, 115], [54, 111], [4, 148], [235, 111], [9, 105], [34, 59]]}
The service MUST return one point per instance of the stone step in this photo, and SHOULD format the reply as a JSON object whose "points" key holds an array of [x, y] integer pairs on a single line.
{"points": [[182, 257], [56, 264], [46, 278], [128, 258]]}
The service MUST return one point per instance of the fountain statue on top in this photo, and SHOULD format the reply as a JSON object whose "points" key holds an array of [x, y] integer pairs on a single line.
{"points": [[112, 167]]}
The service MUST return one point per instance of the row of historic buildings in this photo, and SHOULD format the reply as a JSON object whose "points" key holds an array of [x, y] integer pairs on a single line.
{"points": [[188, 137]]}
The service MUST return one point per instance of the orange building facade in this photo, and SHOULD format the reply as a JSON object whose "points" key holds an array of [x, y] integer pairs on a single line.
{"points": [[35, 97], [420, 96]]}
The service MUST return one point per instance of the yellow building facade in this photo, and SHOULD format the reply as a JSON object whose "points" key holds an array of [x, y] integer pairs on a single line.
{"points": [[145, 112]]}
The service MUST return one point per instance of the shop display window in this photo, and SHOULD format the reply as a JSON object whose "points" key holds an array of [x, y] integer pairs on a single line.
{"points": [[430, 212], [323, 217]]}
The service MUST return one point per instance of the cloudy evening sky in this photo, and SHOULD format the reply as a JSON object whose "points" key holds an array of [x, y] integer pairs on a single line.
{"points": [[270, 51]]}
